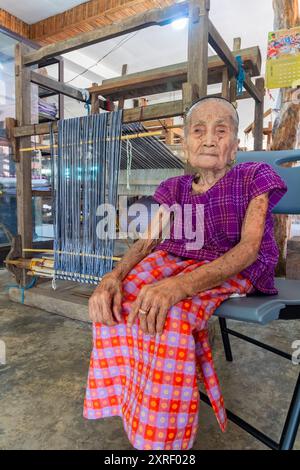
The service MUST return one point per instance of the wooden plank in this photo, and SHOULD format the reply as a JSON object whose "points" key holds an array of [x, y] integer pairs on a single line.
{"points": [[37, 129], [219, 45], [197, 69], [54, 85], [259, 116], [153, 111], [171, 77], [156, 124], [124, 85], [60, 302], [144, 113], [23, 167], [153, 17]]}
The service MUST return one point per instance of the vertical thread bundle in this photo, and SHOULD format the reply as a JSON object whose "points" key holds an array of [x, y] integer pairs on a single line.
{"points": [[85, 172]]}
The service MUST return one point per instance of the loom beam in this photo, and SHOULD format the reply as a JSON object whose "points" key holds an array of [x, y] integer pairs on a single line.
{"points": [[171, 77]]}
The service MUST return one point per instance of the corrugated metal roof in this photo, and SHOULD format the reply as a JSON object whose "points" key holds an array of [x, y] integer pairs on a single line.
{"points": [[147, 152]]}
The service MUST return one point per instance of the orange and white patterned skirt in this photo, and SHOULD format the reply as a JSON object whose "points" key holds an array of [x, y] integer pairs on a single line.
{"points": [[152, 382]]}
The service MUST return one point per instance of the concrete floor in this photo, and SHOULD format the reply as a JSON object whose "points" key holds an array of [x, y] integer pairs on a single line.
{"points": [[42, 385]]}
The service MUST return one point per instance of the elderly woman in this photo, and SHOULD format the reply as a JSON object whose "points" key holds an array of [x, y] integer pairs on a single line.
{"points": [[150, 313]]}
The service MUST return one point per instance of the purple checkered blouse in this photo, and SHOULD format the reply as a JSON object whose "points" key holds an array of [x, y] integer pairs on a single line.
{"points": [[225, 206]]}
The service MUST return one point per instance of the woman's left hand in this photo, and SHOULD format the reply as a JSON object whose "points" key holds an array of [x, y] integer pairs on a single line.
{"points": [[156, 299]]}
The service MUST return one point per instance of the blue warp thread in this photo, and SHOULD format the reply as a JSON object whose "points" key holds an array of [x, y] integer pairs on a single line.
{"points": [[85, 171]]}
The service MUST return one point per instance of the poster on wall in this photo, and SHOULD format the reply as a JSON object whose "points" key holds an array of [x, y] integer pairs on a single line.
{"points": [[283, 59]]}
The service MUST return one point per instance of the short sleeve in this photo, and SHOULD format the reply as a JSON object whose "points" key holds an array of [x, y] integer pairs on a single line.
{"points": [[265, 180], [165, 192]]}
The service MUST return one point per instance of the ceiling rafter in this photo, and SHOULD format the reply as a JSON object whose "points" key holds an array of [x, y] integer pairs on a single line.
{"points": [[14, 24], [81, 18]]}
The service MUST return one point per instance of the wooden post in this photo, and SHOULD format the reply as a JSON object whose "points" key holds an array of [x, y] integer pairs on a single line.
{"points": [[259, 117], [269, 135], [169, 133], [186, 102], [186, 97], [197, 73], [122, 100], [237, 42], [10, 124], [23, 166], [95, 105], [197, 64], [225, 84]]}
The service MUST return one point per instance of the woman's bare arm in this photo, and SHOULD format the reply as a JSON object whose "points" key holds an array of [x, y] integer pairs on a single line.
{"points": [[106, 300], [158, 297], [238, 258], [145, 245]]}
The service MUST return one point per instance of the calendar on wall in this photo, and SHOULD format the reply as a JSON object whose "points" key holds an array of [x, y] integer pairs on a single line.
{"points": [[283, 59]]}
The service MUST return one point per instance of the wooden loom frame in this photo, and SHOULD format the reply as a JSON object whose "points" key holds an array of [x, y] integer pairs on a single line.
{"points": [[193, 77]]}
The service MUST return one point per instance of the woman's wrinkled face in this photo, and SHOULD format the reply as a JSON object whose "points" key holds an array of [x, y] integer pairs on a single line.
{"points": [[211, 142]]}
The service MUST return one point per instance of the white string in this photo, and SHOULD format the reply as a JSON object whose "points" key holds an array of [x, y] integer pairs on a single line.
{"points": [[129, 162]]}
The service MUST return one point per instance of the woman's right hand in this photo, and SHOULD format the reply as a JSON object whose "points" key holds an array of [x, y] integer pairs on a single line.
{"points": [[105, 302]]}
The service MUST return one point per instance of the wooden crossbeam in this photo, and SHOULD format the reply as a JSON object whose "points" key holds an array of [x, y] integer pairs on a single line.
{"points": [[160, 110], [54, 85], [34, 129], [170, 77], [223, 51], [153, 111], [153, 17], [139, 114]]}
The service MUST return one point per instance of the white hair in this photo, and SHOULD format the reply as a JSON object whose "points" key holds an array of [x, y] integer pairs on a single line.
{"points": [[234, 115]]}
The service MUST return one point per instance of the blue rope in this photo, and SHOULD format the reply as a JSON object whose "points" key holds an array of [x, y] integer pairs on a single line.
{"points": [[87, 106], [240, 76], [87, 97], [22, 289]]}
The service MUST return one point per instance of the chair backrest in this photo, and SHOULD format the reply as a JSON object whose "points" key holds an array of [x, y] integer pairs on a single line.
{"points": [[290, 203]]}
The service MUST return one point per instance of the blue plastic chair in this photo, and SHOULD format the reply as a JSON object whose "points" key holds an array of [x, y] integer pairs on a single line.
{"points": [[263, 309]]}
